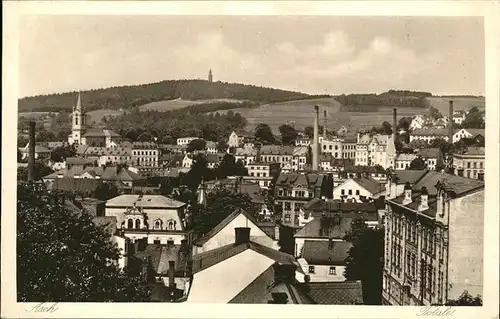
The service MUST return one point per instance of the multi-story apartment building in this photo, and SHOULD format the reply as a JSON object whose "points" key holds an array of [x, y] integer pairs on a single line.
{"points": [[237, 139], [375, 150], [186, 140], [107, 155], [349, 147], [247, 154], [276, 154], [333, 146], [429, 134], [263, 169], [434, 241], [303, 141], [470, 163], [160, 219], [294, 190], [300, 158], [145, 154]]}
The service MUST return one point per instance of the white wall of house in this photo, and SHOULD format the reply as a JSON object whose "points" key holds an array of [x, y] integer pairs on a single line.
{"points": [[226, 235], [352, 190], [322, 273]]}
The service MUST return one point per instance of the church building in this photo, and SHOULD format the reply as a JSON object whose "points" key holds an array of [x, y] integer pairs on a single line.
{"points": [[81, 134]]}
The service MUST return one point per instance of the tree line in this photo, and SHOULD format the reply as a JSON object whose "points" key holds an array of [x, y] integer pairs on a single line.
{"points": [[390, 98], [127, 97]]}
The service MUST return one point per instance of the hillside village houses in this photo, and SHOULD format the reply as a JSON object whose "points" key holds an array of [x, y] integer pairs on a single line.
{"points": [[433, 157], [429, 134], [185, 140], [403, 161], [459, 116], [359, 189]]}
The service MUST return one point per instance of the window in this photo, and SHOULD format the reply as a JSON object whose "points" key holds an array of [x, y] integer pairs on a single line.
{"points": [[156, 242], [342, 192], [172, 224], [480, 164], [288, 206], [468, 164], [170, 242], [287, 218], [311, 269], [158, 224], [357, 192], [130, 223], [137, 223], [332, 271], [349, 192], [280, 192]]}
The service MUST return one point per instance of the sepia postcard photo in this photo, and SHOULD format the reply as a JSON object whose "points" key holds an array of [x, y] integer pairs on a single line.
{"points": [[223, 159]]}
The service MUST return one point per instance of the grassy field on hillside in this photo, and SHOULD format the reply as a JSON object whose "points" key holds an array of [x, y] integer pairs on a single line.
{"points": [[302, 113], [97, 115], [169, 105], [459, 103]]}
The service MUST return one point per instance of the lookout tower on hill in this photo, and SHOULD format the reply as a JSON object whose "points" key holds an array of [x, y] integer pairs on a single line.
{"points": [[210, 76]]}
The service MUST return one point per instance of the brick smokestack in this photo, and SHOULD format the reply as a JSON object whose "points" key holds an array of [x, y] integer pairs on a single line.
{"points": [[325, 126], [315, 150], [31, 152], [450, 123], [394, 123]]}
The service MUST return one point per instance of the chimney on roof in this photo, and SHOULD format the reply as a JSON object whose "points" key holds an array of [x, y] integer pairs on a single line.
{"points": [[407, 200], [394, 124], [31, 152], [277, 232], [171, 273], [242, 235], [424, 196], [330, 243], [450, 123], [315, 150]]}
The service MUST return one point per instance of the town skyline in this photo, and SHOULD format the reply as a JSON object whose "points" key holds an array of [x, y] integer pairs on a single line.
{"points": [[338, 56]]}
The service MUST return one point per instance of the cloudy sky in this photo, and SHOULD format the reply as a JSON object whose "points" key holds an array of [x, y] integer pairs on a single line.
{"points": [[305, 53]]}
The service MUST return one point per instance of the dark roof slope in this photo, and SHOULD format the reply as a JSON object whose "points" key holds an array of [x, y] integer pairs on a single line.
{"points": [[315, 229], [369, 184], [335, 293], [321, 252], [317, 204], [295, 179], [78, 185]]}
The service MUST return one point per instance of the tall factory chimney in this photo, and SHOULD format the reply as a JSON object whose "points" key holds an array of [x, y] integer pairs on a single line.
{"points": [[315, 148], [394, 124], [325, 126], [31, 152], [450, 123]]}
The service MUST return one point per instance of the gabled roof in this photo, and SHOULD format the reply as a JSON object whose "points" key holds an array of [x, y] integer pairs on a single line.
{"points": [[429, 152], [322, 252], [201, 241], [276, 150], [295, 179], [161, 255], [408, 176], [317, 204], [144, 145], [261, 289], [431, 132], [473, 151], [214, 158], [315, 229], [78, 185], [335, 293], [369, 184], [476, 131], [129, 200], [81, 160], [405, 157], [213, 257], [124, 174]]}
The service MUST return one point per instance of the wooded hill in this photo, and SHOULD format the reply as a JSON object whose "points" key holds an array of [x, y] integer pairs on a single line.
{"points": [[128, 97], [390, 98]]}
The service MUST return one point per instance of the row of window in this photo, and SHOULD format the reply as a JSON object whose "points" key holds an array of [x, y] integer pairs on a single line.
{"points": [[331, 271], [258, 174], [349, 192], [134, 152]]}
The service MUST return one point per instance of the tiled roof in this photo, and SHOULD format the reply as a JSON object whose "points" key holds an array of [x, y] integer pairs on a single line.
{"points": [[300, 151], [476, 131], [418, 144], [78, 185], [429, 152], [244, 187], [431, 132], [408, 176], [406, 157], [80, 160], [261, 289], [162, 254], [144, 201], [214, 158], [473, 151], [364, 169], [317, 204], [276, 150], [322, 252], [222, 225], [212, 257], [317, 229], [369, 184], [112, 173], [144, 145], [335, 293], [294, 179], [210, 144], [108, 151]]}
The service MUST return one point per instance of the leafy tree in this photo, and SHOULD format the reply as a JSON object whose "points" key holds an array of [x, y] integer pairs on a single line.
{"points": [[44, 136], [264, 134], [418, 164], [63, 257], [196, 145], [221, 204], [166, 187], [59, 154], [434, 113], [387, 128], [404, 123], [40, 171], [288, 134], [145, 137], [365, 260], [473, 119], [222, 146], [197, 172], [445, 147], [229, 167], [167, 139], [465, 299], [105, 191]]}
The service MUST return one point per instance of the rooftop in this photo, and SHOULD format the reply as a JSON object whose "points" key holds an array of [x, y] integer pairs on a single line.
{"points": [[144, 201], [369, 184], [335, 293], [429, 152], [317, 204], [296, 179], [322, 252], [431, 132]]}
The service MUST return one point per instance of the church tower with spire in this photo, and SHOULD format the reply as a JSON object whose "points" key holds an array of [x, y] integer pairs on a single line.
{"points": [[201, 195], [78, 123], [210, 76]]}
